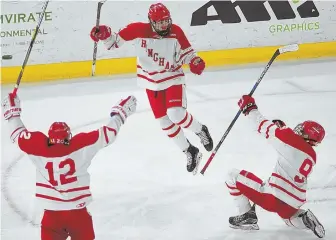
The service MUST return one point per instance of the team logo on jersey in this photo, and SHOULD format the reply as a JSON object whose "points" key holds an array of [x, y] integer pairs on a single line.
{"points": [[81, 205]]}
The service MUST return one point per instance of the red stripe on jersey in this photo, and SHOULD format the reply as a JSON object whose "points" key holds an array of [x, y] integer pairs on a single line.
{"points": [[191, 119], [184, 119], [16, 130], [267, 130], [175, 69], [105, 129], [184, 54], [251, 176], [230, 187], [290, 183], [260, 125], [63, 191], [115, 45], [151, 73], [62, 200], [167, 128], [175, 133], [288, 193], [161, 80], [236, 194], [163, 71]]}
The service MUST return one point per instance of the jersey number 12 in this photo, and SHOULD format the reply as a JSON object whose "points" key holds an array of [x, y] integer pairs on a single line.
{"points": [[64, 178]]}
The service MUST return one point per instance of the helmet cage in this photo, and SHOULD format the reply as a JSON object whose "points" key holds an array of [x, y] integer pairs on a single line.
{"points": [[161, 27], [299, 131]]}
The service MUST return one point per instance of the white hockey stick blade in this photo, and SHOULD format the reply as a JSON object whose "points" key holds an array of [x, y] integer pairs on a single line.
{"points": [[289, 48]]}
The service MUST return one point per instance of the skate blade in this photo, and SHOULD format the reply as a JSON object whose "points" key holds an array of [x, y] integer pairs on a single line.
{"points": [[199, 158], [318, 229], [245, 227]]}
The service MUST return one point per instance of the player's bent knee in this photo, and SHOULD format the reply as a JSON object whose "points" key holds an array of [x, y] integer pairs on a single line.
{"points": [[165, 122], [176, 114], [231, 177]]}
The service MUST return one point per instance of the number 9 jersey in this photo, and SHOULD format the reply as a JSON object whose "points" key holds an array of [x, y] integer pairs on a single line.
{"points": [[296, 159], [62, 178]]}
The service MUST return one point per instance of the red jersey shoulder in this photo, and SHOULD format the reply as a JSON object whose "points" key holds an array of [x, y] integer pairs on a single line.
{"points": [[84, 139], [176, 29], [289, 137], [135, 30], [178, 33], [29, 141], [36, 143]]}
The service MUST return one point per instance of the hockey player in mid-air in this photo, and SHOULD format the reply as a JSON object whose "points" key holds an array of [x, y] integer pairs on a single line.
{"points": [[62, 162], [162, 50], [285, 191]]}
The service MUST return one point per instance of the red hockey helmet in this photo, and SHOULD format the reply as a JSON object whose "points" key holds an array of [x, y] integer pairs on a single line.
{"points": [[159, 18], [311, 131], [59, 133]]}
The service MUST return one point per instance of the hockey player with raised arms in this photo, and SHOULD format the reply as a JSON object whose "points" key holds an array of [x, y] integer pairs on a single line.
{"points": [[284, 192], [62, 162], [162, 50]]}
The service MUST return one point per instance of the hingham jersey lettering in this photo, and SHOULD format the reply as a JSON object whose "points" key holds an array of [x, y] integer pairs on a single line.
{"points": [[160, 59]]}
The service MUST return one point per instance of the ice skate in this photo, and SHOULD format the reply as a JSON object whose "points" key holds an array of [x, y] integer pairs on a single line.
{"points": [[206, 139], [246, 221], [193, 157], [312, 223]]}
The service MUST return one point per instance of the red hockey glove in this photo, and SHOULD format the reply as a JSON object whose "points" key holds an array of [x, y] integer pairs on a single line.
{"points": [[197, 65], [246, 104], [103, 33]]}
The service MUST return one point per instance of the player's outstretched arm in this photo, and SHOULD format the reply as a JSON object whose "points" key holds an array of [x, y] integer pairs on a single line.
{"points": [[11, 107], [114, 40], [119, 113], [263, 126]]}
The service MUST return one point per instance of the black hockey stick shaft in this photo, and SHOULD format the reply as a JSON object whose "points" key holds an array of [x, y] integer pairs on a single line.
{"points": [[289, 48], [94, 58], [30, 48]]}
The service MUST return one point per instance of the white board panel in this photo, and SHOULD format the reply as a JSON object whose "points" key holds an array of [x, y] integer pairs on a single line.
{"points": [[64, 34]]}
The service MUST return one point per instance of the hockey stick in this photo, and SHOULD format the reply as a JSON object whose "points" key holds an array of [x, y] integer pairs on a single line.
{"points": [[30, 48], [279, 51], [93, 69]]}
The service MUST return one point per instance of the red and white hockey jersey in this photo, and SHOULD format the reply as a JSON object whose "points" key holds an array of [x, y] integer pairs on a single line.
{"points": [[296, 159], [62, 178], [159, 59]]}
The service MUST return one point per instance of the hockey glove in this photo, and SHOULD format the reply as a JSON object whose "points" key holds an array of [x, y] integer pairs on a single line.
{"points": [[124, 108], [197, 65], [11, 106], [246, 104], [279, 123], [102, 33]]}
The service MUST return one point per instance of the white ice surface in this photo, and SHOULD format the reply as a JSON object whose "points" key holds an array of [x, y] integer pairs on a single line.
{"points": [[140, 185]]}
